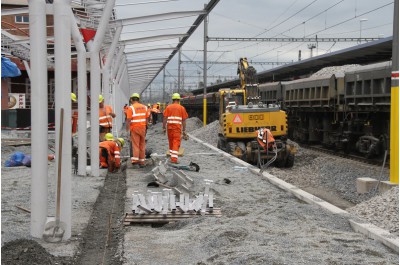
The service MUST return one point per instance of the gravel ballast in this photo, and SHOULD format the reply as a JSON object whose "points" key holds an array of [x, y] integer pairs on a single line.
{"points": [[333, 179], [260, 223]]}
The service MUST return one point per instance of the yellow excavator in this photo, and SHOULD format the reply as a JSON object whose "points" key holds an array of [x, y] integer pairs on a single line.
{"points": [[242, 115]]}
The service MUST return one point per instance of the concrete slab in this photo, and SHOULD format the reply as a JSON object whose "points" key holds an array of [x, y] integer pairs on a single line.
{"points": [[364, 185]]}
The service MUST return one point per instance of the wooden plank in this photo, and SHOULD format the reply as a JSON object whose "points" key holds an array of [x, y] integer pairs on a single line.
{"points": [[176, 215], [146, 216]]}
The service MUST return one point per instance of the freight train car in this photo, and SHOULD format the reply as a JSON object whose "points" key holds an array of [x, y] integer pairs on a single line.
{"points": [[347, 111]]}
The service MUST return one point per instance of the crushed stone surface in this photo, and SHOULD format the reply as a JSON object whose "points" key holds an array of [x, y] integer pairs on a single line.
{"points": [[331, 178], [208, 133], [260, 223], [381, 210], [333, 70]]}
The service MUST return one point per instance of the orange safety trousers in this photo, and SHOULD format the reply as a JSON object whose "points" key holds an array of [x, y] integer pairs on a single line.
{"points": [[103, 159], [138, 139], [174, 140], [104, 162]]}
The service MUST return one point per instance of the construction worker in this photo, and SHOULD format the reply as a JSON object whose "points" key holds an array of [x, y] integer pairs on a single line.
{"points": [[109, 152], [150, 120], [155, 110], [73, 97], [74, 114], [136, 121], [106, 115], [174, 120]]}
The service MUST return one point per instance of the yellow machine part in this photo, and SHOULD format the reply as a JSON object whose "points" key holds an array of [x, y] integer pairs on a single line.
{"points": [[244, 125]]}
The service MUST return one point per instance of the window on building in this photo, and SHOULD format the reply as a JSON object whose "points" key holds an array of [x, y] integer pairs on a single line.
{"points": [[21, 19]]}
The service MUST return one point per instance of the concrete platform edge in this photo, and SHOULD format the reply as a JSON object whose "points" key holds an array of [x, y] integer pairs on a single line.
{"points": [[369, 230], [376, 233]]}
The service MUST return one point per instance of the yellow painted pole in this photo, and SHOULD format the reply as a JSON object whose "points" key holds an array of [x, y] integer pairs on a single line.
{"points": [[394, 101], [205, 71], [394, 134], [205, 110]]}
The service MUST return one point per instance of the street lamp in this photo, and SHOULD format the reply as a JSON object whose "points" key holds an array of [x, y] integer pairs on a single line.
{"points": [[361, 21]]}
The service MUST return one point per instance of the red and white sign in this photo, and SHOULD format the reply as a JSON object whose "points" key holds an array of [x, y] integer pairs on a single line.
{"points": [[395, 75], [237, 119], [16, 101]]}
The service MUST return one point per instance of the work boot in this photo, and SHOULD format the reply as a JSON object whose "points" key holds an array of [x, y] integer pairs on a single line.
{"points": [[142, 166], [135, 165]]}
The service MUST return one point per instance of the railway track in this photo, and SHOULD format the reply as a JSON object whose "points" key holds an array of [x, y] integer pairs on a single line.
{"points": [[320, 148]]}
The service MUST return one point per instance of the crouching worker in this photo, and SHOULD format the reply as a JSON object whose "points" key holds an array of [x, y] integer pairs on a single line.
{"points": [[265, 138], [109, 152]]}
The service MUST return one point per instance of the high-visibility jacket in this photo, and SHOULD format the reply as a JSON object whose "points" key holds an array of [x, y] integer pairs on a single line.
{"points": [[175, 115], [265, 138], [155, 108], [137, 114], [105, 119], [113, 151]]}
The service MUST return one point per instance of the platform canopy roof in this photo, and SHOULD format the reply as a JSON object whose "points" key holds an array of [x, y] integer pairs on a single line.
{"points": [[153, 31]]}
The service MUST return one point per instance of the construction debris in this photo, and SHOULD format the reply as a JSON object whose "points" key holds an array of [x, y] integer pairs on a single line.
{"points": [[166, 206]]}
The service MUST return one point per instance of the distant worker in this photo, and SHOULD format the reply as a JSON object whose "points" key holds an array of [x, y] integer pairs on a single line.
{"points": [[150, 119], [174, 120], [106, 115], [136, 121], [73, 97], [265, 138], [74, 115], [155, 110], [109, 152]]}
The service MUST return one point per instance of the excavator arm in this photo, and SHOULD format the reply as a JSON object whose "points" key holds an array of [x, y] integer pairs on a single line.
{"points": [[248, 80]]}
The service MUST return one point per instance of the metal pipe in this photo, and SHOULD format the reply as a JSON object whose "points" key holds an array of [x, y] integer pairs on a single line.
{"points": [[107, 66], [82, 99], [62, 51], [117, 62], [94, 112], [27, 68], [179, 70], [205, 71], [95, 84], [163, 94], [39, 131]]}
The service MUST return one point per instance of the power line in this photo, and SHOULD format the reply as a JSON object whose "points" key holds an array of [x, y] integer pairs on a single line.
{"points": [[251, 62], [370, 11], [347, 20], [292, 39]]}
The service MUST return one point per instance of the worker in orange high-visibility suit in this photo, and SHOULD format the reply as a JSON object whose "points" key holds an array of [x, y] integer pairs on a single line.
{"points": [[109, 152], [106, 115], [174, 120], [154, 112], [136, 121]]}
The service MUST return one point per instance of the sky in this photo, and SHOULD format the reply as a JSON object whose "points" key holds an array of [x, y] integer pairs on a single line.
{"points": [[256, 18]]}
